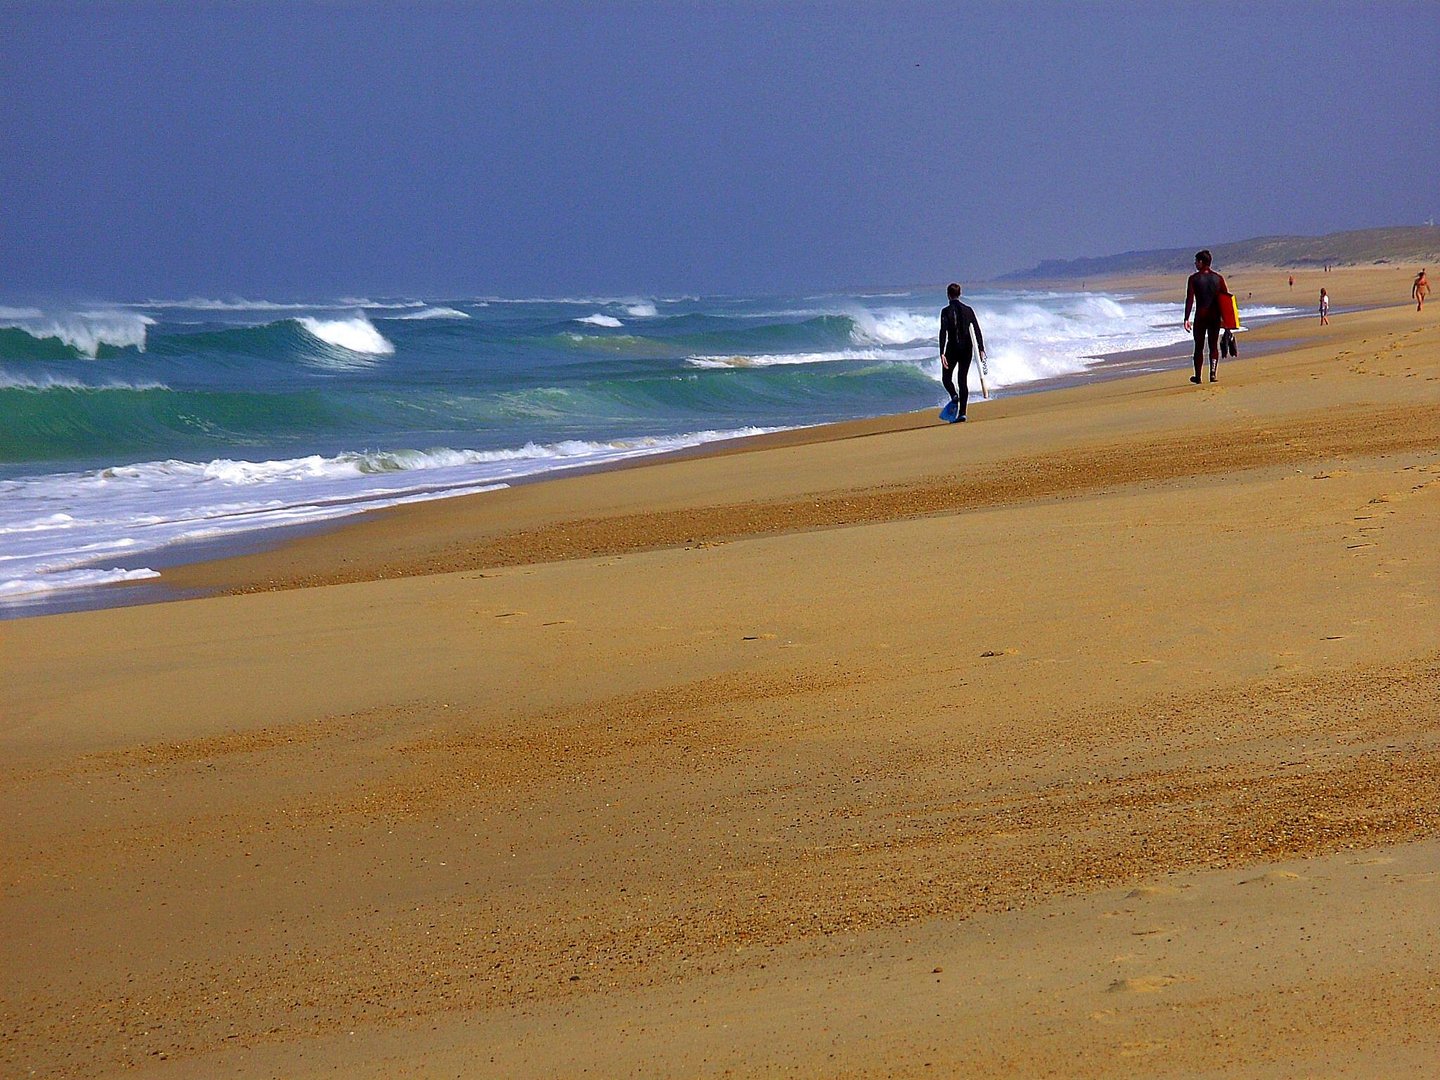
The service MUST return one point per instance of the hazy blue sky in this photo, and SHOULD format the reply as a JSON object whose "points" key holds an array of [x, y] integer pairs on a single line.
{"points": [[318, 149]]}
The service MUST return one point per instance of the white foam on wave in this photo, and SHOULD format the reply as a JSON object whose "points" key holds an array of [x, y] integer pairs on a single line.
{"points": [[1029, 337], [783, 359], [16, 588], [239, 303], [1010, 365], [1264, 312], [601, 320], [11, 381], [893, 326], [642, 310], [1092, 323], [1041, 337], [429, 313], [117, 516], [355, 334], [83, 331], [582, 301], [364, 302]]}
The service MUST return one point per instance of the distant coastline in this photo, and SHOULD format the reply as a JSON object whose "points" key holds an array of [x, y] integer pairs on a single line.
{"points": [[1359, 247]]}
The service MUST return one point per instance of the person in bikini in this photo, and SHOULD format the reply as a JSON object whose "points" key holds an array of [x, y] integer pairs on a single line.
{"points": [[1420, 290]]}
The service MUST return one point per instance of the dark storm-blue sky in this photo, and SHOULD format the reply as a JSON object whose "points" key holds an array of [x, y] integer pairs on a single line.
{"points": [[544, 148]]}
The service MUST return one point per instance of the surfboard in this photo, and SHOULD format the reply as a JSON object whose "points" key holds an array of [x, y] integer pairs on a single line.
{"points": [[979, 368], [951, 412], [1229, 312]]}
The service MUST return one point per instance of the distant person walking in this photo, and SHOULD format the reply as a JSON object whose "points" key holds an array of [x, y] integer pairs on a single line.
{"points": [[1292, 281], [1420, 290], [957, 321], [1324, 308], [1202, 293]]}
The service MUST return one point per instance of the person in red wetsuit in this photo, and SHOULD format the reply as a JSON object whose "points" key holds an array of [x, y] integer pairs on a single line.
{"points": [[1202, 293]]}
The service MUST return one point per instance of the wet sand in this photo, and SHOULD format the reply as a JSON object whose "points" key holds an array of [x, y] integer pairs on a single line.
{"points": [[1097, 737]]}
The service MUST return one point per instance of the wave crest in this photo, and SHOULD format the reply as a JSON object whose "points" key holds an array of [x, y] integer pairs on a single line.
{"points": [[782, 359], [893, 327], [429, 313], [356, 334], [11, 381], [85, 332]]}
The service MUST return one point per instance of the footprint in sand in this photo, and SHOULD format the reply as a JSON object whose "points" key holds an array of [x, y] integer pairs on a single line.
{"points": [[1145, 984], [1422, 877], [1140, 1048], [1142, 892], [1273, 877]]}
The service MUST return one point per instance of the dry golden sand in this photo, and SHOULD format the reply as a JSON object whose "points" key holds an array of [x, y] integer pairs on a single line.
{"points": [[1099, 737]]}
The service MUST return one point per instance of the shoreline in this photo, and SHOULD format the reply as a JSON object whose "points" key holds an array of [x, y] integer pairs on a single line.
{"points": [[1099, 738], [274, 568], [163, 589]]}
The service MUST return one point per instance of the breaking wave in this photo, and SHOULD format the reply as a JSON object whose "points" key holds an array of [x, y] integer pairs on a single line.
{"points": [[356, 334]]}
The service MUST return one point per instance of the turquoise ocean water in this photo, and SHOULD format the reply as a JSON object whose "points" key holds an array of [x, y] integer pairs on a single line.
{"points": [[126, 429]]}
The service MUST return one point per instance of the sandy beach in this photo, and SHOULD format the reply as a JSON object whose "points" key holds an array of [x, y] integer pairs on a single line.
{"points": [[1099, 737]]}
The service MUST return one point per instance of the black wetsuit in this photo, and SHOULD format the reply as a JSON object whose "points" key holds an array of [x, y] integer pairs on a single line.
{"points": [[955, 323], [1202, 292]]}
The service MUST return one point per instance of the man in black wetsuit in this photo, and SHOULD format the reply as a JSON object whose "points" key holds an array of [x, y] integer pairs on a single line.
{"points": [[1203, 292], [956, 321]]}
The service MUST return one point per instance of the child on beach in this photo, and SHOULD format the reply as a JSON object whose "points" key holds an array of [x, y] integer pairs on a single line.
{"points": [[1324, 309]]}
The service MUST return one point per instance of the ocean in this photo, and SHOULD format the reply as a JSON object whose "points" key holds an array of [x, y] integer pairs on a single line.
{"points": [[131, 428]]}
